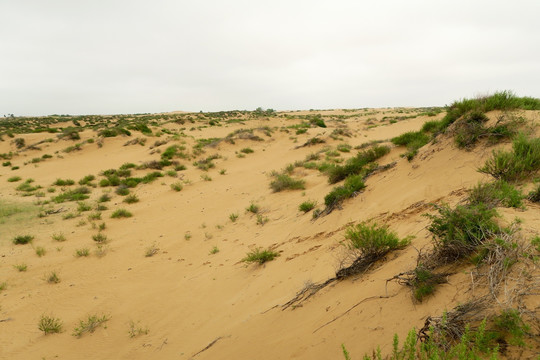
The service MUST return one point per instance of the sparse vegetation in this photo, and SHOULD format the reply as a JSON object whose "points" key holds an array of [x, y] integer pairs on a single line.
{"points": [[151, 250], [121, 213], [49, 324], [40, 251], [82, 252], [177, 186], [22, 239], [413, 140], [136, 330], [233, 217], [496, 193], [131, 199], [52, 278], [21, 267], [253, 208], [356, 164], [285, 182], [99, 238], [307, 206], [60, 237], [90, 325], [260, 256]]}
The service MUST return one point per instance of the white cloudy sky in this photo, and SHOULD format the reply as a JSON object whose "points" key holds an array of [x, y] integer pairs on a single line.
{"points": [[128, 56]]}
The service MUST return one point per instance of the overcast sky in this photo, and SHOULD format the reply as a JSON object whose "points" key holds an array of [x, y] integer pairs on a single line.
{"points": [[129, 56]]}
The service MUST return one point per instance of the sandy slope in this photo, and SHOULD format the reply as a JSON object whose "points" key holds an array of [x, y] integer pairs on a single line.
{"points": [[189, 298]]}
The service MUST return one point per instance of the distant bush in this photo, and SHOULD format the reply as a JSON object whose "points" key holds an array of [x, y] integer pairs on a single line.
{"points": [[260, 256], [78, 194], [285, 182], [121, 213], [14, 178], [49, 324], [413, 140], [307, 206], [355, 165], [64, 182], [534, 195], [22, 239]]}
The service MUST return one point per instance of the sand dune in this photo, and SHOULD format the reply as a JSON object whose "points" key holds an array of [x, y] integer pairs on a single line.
{"points": [[204, 305]]}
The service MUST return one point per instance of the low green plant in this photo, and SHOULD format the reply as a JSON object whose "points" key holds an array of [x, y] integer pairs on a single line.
{"points": [[151, 250], [136, 330], [82, 206], [307, 206], [534, 195], [21, 267], [60, 237], [233, 217], [22, 239], [260, 256], [353, 184], [90, 324], [496, 193], [253, 208], [99, 238], [78, 194], [261, 220], [131, 199], [82, 252], [64, 182], [3, 286], [205, 177], [122, 190], [247, 150], [104, 198], [177, 186], [14, 178], [285, 182], [214, 250], [510, 323], [87, 180], [424, 282], [94, 216], [52, 278], [372, 240], [413, 140], [121, 213], [40, 251], [356, 164], [49, 324]]}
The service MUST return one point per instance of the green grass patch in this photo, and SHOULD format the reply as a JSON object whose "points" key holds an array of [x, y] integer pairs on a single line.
{"points": [[285, 182], [353, 184], [355, 165], [496, 193], [22, 239], [78, 194], [413, 140], [260, 256], [121, 213], [307, 206]]}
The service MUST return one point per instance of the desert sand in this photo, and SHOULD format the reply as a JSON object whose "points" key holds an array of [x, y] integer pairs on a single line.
{"points": [[194, 297]]}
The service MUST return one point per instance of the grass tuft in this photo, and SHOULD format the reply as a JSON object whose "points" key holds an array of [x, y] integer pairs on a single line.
{"points": [[260, 256], [49, 324]]}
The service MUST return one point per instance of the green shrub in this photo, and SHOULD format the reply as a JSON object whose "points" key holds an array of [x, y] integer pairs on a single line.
{"points": [[49, 324], [373, 240], [510, 323], [352, 185], [122, 190], [253, 208], [82, 252], [22, 239], [413, 140], [457, 232], [260, 256], [90, 325], [40, 251], [285, 182], [233, 217], [104, 198], [496, 193], [177, 186], [87, 179], [14, 178], [534, 195], [64, 182], [131, 199], [73, 195], [121, 213], [247, 150], [99, 238], [307, 206], [356, 164], [424, 282], [521, 162]]}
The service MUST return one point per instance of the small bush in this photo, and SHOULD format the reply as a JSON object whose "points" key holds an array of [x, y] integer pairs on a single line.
{"points": [[14, 178], [534, 195], [307, 206], [131, 199], [413, 140], [352, 185], [151, 250], [121, 213], [104, 198], [21, 267], [496, 193], [424, 282], [52, 278], [373, 240], [521, 162], [87, 180], [122, 190], [233, 217], [58, 237], [260, 256], [99, 238], [509, 322], [356, 165], [64, 182], [82, 206], [78, 194], [82, 252], [90, 325], [253, 208], [247, 150], [22, 239], [457, 232], [285, 182], [49, 325], [40, 251], [177, 186]]}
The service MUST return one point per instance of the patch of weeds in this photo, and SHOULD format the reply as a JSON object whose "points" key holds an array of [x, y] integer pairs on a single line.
{"points": [[52, 278], [253, 208], [21, 267], [83, 207], [307, 206], [413, 140], [353, 184], [87, 180], [99, 238], [510, 323], [121, 213], [131, 199], [171, 173], [205, 177], [136, 330], [58, 237], [78, 194], [40, 251], [222, 172], [534, 195], [496, 193], [260, 256], [14, 179], [285, 182], [518, 164], [3, 286], [64, 182], [355, 165], [424, 282], [94, 216], [22, 239], [214, 250], [261, 220], [187, 235], [247, 150], [457, 232], [233, 217], [82, 252], [122, 190], [104, 198], [49, 324], [177, 186], [151, 250], [90, 325]]}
